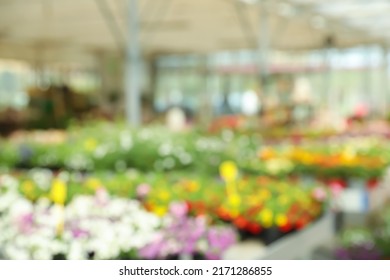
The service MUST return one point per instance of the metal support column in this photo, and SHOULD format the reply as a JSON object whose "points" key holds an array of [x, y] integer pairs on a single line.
{"points": [[132, 67], [263, 43], [384, 101], [206, 111], [101, 71], [328, 80], [368, 94]]}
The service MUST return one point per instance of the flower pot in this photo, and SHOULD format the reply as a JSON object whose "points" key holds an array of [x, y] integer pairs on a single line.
{"points": [[271, 235], [356, 183]]}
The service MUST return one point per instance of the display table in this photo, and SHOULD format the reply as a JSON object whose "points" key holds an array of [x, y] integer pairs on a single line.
{"points": [[298, 245]]}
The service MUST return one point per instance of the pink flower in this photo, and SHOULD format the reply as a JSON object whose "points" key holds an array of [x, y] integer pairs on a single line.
{"points": [[178, 209], [143, 190], [26, 223], [319, 194], [336, 188], [79, 233], [102, 196]]}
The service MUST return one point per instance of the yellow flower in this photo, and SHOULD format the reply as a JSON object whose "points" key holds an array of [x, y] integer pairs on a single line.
{"points": [[266, 217], [283, 200], [193, 186], [234, 200], [28, 188], [58, 192], [277, 165], [267, 153], [60, 228], [90, 144], [228, 171], [281, 220], [264, 194], [242, 185], [160, 210], [93, 183], [349, 154], [163, 195], [253, 200], [234, 213]]}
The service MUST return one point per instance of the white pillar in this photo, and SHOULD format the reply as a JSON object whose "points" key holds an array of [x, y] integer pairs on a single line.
{"points": [[367, 78], [263, 42], [384, 100], [206, 110], [328, 71], [132, 67], [102, 72]]}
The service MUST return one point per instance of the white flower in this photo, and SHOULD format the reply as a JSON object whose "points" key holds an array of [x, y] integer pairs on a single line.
{"points": [[126, 141], [76, 251], [42, 254]]}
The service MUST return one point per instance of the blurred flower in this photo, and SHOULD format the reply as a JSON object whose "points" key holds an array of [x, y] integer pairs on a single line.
{"points": [[143, 190], [281, 220], [266, 217], [228, 171], [102, 196], [58, 192], [277, 166], [90, 144], [28, 189], [178, 209], [234, 200], [319, 194], [93, 183]]}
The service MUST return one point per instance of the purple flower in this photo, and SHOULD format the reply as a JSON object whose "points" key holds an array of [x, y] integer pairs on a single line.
{"points": [[221, 238], [189, 247], [152, 250], [178, 209], [26, 223], [212, 255], [79, 233], [358, 252]]}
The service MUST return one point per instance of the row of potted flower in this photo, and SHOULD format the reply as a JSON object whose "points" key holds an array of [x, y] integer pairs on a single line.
{"points": [[350, 161], [368, 242], [117, 147], [255, 205], [102, 227]]}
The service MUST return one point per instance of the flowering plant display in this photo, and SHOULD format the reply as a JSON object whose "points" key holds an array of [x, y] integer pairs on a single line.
{"points": [[263, 204], [365, 159], [368, 242], [184, 237], [89, 227], [357, 244], [251, 204], [117, 147], [101, 227]]}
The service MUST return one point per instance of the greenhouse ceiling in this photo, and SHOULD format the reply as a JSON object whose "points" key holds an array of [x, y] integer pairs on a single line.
{"points": [[51, 30]]}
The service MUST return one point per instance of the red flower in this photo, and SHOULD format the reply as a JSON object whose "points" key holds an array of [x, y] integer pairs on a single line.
{"points": [[339, 182], [241, 223], [253, 228], [372, 183], [223, 214], [286, 228], [300, 223], [254, 210], [189, 205]]}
